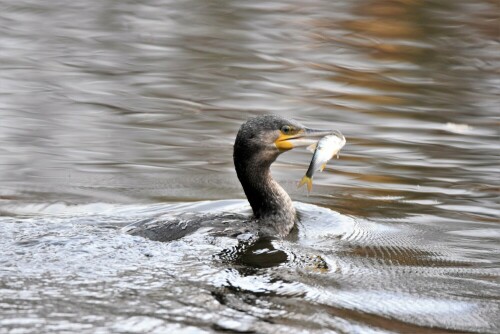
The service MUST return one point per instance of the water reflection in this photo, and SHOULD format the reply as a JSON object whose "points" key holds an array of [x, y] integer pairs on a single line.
{"points": [[138, 104]]}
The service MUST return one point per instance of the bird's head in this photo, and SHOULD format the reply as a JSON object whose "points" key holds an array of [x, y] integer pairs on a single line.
{"points": [[264, 138]]}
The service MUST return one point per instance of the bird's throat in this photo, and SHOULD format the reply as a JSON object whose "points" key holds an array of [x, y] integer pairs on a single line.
{"points": [[270, 203]]}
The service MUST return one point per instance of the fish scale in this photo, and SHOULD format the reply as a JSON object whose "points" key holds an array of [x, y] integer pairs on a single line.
{"points": [[324, 150]]}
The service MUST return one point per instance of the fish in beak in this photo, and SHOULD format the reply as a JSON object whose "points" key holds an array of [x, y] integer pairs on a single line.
{"points": [[327, 147]]}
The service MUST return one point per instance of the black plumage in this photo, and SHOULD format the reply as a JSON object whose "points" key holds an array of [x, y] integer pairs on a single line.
{"points": [[258, 143]]}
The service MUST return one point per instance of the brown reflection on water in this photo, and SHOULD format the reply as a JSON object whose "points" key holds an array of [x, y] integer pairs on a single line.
{"points": [[409, 63]]}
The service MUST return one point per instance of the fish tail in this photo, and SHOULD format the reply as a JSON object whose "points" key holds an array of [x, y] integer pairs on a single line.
{"points": [[306, 180]]}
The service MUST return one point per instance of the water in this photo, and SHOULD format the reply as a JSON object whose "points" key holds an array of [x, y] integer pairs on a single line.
{"points": [[111, 112]]}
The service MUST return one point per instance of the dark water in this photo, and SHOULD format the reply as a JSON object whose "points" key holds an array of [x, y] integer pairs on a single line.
{"points": [[113, 111]]}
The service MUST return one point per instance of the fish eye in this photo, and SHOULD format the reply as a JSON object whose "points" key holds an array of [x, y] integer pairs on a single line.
{"points": [[286, 129]]}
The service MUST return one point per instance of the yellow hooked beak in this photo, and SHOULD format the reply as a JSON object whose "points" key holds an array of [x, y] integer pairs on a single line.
{"points": [[302, 137], [285, 141]]}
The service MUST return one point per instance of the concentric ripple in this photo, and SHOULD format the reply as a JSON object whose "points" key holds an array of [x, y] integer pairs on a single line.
{"points": [[348, 274]]}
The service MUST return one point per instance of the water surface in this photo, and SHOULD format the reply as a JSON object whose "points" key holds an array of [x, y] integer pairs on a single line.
{"points": [[111, 112]]}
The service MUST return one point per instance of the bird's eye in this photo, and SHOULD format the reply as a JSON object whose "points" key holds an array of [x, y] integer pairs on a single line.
{"points": [[286, 129]]}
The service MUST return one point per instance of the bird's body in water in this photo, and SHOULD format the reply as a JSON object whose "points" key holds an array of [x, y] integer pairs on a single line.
{"points": [[258, 143]]}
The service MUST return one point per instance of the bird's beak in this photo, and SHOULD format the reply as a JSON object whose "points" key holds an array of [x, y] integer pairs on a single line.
{"points": [[303, 137]]}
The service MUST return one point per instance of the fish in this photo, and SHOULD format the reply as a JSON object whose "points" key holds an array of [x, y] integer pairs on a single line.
{"points": [[324, 150]]}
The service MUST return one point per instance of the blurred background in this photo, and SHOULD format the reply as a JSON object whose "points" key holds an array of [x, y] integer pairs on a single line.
{"points": [[131, 102], [123, 101]]}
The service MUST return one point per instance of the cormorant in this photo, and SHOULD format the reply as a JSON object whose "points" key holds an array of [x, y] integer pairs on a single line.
{"points": [[258, 143]]}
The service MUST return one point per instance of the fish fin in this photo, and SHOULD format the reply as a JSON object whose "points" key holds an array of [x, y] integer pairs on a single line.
{"points": [[312, 147], [322, 167], [306, 180]]}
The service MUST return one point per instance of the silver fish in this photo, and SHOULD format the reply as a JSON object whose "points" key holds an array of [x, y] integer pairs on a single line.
{"points": [[325, 149]]}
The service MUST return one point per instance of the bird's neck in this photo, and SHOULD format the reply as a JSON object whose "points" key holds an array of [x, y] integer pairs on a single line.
{"points": [[270, 203]]}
